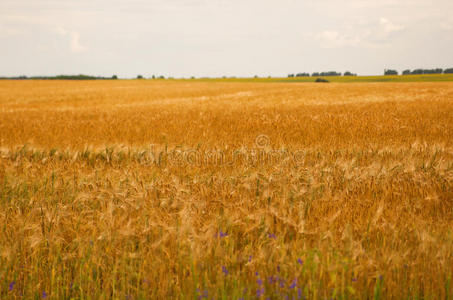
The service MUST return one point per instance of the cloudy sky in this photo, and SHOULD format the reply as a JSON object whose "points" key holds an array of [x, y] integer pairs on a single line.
{"points": [[184, 38]]}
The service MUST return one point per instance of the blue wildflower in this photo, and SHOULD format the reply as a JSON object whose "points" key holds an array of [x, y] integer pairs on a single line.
{"points": [[224, 270], [300, 261], [259, 292], [272, 236], [203, 295], [11, 285], [259, 281], [293, 284], [223, 234], [44, 295], [250, 258]]}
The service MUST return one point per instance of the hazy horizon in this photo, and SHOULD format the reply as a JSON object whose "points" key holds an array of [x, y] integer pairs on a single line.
{"points": [[184, 38]]}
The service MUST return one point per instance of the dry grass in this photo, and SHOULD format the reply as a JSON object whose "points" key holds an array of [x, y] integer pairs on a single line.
{"points": [[114, 189]]}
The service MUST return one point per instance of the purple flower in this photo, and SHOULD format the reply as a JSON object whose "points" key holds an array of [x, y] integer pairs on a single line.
{"points": [[354, 279], [224, 270], [223, 234], [202, 295], [282, 283], [256, 273], [272, 236], [250, 258], [272, 280], [293, 284], [44, 295], [299, 293], [259, 281], [300, 261], [259, 292], [11, 285]]}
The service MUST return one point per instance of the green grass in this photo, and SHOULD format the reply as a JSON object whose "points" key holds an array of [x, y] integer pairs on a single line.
{"points": [[342, 79]]}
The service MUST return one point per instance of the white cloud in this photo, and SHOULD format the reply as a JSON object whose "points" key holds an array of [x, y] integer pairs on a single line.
{"points": [[75, 43], [359, 34], [74, 39], [201, 37], [387, 27], [335, 39]]}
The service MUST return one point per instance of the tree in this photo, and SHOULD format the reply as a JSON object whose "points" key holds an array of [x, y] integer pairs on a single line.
{"points": [[423, 71], [302, 75], [390, 72], [448, 71], [290, 75], [315, 74], [114, 77], [417, 72], [321, 80], [433, 71], [139, 77], [330, 73], [347, 73]]}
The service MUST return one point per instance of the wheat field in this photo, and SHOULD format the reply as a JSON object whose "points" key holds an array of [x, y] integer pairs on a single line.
{"points": [[141, 189]]}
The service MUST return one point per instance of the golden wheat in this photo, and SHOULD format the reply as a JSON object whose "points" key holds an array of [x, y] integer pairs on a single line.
{"points": [[177, 189]]}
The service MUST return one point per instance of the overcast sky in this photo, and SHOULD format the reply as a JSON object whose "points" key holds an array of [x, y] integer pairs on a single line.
{"points": [[183, 38]]}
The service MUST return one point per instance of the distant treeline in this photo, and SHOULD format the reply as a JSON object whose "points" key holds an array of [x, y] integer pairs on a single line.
{"points": [[419, 71], [317, 74], [61, 77]]}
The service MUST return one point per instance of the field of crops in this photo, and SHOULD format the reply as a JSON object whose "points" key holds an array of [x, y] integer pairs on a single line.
{"points": [[344, 79], [141, 189]]}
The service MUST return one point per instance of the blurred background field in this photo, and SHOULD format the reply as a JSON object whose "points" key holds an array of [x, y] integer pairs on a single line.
{"points": [[344, 79]]}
